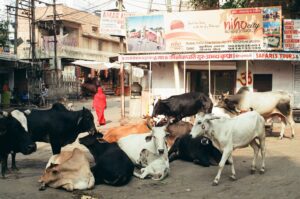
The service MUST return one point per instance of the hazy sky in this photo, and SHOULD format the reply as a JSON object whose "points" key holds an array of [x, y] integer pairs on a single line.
{"points": [[91, 5]]}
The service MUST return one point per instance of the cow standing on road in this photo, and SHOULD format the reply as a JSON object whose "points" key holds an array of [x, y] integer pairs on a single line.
{"points": [[229, 134], [14, 137], [184, 105]]}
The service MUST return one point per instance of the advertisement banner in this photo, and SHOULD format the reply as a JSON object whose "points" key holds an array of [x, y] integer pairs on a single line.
{"points": [[217, 56], [113, 23], [244, 29], [291, 36]]}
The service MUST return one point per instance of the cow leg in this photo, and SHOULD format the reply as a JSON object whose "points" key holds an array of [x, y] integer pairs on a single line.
{"points": [[255, 147], [282, 130], [263, 154], [55, 146], [230, 160], [291, 122], [13, 162], [226, 154], [4, 165]]}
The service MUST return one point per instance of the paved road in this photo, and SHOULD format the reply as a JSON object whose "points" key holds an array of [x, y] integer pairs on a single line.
{"points": [[186, 180]]}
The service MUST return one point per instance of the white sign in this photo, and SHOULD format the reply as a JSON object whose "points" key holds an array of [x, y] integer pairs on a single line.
{"points": [[291, 36], [114, 23]]}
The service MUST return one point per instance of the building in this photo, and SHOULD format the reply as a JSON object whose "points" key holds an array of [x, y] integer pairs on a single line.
{"points": [[78, 38]]}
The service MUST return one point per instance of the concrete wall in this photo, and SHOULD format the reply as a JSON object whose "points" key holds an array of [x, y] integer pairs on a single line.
{"points": [[163, 81], [282, 73]]}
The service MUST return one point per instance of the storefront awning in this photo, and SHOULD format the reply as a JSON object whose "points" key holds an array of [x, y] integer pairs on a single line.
{"points": [[96, 65]]}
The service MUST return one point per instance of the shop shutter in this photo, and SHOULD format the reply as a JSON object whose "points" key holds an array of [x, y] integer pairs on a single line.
{"points": [[297, 87]]}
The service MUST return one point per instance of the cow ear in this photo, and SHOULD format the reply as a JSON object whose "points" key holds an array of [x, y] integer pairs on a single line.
{"points": [[148, 138]]}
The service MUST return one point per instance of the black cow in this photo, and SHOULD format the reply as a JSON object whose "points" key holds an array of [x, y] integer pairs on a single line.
{"points": [[198, 150], [58, 126], [113, 166], [184, 105], [13, 137]]}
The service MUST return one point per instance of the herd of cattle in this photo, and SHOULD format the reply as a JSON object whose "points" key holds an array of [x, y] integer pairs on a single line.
{"points": [[146, 149]]}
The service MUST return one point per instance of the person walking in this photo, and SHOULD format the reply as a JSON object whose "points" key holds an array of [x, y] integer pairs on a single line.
{"points": [[99, 104]]}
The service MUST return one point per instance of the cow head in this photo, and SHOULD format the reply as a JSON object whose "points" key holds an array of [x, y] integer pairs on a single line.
{"points": [[50, 175], [229, 103], [202, 125], [92, 143], [86, 121], [158, 136], [160, 108]]}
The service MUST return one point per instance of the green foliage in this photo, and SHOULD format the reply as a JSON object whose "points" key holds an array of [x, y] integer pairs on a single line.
{"points": [[3, 33], [236, 4], [204, 4]]}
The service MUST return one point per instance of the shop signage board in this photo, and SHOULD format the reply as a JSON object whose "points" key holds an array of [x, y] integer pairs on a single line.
{"points": [[291, 36]]}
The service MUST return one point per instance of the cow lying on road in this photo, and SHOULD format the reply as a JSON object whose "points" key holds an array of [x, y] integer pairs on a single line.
{"points": [[229, 134], [113, 166], [198, 150], [14, 137], [155, 142], [69, 170]]}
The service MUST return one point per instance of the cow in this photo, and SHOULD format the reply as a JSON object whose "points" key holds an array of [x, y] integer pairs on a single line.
{"points": [[153, 165], [14, 137], [58, 126], [184, 105], [113, 166], [177, 130], [268, 104], [155, 142], [228, 134], [114, 134], [199, 150], [69, 170]]}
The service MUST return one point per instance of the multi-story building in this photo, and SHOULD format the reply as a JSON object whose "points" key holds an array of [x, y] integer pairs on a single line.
{"points": [[78, 38]]}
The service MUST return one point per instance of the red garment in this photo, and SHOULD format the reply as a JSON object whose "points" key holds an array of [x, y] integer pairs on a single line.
{"points": [[99, 104]]}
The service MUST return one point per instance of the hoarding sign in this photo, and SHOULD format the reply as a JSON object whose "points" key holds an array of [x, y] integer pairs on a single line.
{"points": [[113, 23], [291, 36], [244, 29]]}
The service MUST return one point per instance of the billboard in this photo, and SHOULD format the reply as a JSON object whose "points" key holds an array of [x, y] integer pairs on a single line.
{"points": [[113, 23], [291, 36], [244, 29]]}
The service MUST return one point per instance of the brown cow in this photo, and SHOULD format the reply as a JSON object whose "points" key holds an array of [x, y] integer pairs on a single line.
{"points": [[177, 130], [69, 170], [115, 133]]}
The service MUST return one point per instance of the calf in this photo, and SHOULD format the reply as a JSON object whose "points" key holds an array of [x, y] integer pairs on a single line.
{"points": [[14, 137], [69, 170], [113, 166], [228, 134], [154, 142], [155, 166], [198, 150]]}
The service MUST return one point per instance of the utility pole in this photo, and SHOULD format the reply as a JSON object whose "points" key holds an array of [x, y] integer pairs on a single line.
{"points": [[16, 28], [169, 5], [55, 38], [33, 57], [120, 5], [150, 6]]}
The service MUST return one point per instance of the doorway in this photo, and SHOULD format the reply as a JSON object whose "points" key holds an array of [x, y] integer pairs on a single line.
{"points": [[262, 82]]}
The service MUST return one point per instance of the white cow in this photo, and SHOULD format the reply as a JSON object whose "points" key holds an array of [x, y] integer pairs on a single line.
{"points": [[228, 134], [154, 160]]}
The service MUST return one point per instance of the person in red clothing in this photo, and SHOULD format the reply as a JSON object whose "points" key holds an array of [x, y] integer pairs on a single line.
{"points": [[99, 104]]}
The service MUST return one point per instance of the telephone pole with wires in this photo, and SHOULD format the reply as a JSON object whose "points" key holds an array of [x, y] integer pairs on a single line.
{"points": [[120, 8]]}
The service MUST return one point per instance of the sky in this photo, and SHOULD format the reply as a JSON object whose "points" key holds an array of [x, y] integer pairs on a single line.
{"points": [[140, 6]]}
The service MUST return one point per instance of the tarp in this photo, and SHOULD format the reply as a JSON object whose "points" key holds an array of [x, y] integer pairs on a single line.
{"points": [[96, 65]]}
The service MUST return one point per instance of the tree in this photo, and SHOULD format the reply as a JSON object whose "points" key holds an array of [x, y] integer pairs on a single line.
{"points": [[3, 33], [204, 4], [237, 4]]}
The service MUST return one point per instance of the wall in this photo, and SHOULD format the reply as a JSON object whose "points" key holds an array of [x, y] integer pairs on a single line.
{"points": [[163, 82], [282, 73]]}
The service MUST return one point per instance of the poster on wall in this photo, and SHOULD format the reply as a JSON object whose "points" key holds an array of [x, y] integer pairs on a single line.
{"points": [[244, 29], [291, 37]]}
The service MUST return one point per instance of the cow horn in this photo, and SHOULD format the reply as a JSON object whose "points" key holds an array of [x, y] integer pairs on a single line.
{"points": [[148, 123], [27, 112], [213, 118]]}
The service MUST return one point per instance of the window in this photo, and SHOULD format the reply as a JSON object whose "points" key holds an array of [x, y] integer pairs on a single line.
{"points": [[100, 45], [94, 28], [262, 82]]}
